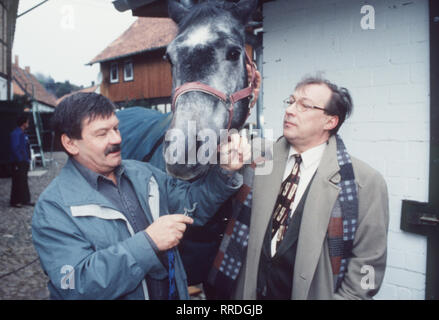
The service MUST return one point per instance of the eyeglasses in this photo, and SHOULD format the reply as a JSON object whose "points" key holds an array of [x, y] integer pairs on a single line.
{"points": [[301, 107]]}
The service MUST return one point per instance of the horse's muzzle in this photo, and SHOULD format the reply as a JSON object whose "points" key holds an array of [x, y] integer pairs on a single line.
{"points": [[186, 171]]}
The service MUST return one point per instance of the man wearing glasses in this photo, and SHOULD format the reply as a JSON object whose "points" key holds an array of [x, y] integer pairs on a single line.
{"points": [[319, 221]]}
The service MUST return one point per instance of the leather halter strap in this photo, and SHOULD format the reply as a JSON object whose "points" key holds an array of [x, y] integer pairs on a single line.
{"points": [[229, 101]]}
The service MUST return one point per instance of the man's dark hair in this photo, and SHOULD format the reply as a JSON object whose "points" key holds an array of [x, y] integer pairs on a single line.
{"points": [[22, 119], [73, 110], [340, 103]]}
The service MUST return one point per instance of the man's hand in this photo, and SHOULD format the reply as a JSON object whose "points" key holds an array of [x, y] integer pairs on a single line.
{"points": [[257, 81], [167, 231], [235, 153]]}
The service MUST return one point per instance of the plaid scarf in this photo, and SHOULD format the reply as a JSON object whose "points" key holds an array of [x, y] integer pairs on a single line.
{"points": [[233, 247], [341, 228], [344, 217]]}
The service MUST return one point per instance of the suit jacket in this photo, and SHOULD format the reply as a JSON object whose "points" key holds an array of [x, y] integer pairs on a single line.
{"points": [[313, 277]]}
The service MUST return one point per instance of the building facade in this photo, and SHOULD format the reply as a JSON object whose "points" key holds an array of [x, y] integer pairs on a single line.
{"points": [[8, 14]]}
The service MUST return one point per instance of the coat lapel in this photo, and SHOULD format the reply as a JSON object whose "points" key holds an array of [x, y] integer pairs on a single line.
{"points": [[265, 191], [266, 188], [321, 198]]}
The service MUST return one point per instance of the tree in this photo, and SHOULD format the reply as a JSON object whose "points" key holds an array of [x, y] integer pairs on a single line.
{"points": [[58, 89]]}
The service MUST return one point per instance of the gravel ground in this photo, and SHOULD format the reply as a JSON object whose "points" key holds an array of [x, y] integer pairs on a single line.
{"points": [[21, 276]]}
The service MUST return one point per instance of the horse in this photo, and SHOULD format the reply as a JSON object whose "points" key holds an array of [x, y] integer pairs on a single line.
{"points": [[210, 91]]}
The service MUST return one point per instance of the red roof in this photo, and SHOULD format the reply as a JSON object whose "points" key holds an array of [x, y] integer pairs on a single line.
{"points": [[145, 34], [24, 81]]}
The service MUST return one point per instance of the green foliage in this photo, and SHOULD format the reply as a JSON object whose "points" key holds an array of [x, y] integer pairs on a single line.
{"points": [[58, 89]]}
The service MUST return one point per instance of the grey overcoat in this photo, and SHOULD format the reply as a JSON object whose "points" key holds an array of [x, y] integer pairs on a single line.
{"points": [[312, 272]]}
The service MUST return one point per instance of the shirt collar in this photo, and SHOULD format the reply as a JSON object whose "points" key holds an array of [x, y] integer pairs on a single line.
{"points": [[310, 156], [94, 177]]}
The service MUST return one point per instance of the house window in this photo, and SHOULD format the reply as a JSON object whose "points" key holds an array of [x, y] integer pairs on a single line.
{"points": [[114, 73], [128, 73]]}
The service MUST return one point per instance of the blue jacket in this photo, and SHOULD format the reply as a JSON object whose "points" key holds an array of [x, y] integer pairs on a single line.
{"points": [[19, 145], [88, 248]]}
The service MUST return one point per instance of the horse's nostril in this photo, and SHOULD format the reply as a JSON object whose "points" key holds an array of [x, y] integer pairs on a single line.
{"points": [[186, 172]]}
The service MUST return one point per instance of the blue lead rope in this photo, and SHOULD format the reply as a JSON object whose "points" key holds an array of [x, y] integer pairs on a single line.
{"points": [[171, 261], [171, 266]]}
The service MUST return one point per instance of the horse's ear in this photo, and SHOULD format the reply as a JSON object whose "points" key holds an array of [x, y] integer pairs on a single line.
{"points": [[244, 9], [176, 10]]}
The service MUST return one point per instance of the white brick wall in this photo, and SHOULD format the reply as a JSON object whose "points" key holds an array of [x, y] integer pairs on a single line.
{"points": [[387, 72]]}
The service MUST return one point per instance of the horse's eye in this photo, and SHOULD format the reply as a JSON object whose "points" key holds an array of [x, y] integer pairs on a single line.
{"points": [[233, 54]]}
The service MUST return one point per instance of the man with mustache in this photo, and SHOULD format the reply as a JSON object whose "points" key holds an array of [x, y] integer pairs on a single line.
{"points": [[319, 221], [106, 228]]}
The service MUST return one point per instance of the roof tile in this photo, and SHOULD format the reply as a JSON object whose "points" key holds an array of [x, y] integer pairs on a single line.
{"points": [[143, 35], [24, 82]]}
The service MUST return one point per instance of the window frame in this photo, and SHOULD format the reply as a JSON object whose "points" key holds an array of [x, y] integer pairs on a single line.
{"points": [[125, 78], [114, 80]]}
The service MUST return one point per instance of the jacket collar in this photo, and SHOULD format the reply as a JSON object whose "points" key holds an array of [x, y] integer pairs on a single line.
{"points": [[93, 178], [329, 167], [77, 191]]}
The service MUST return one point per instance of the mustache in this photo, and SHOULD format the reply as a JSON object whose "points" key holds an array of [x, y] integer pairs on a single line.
{"points": [[112, 148]]}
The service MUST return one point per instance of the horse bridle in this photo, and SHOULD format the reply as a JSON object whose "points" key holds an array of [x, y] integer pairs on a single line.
{"points": [[229, 101]]}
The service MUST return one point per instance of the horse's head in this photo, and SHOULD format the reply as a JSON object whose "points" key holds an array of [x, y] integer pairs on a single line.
{"points": [[208, 66]]}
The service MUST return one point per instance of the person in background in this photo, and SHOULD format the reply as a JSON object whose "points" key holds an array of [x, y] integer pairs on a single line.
{"points": [[20, 158]]}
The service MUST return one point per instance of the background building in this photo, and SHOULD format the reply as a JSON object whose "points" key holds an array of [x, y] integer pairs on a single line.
{"points": [[133, 70], [8, 14]]}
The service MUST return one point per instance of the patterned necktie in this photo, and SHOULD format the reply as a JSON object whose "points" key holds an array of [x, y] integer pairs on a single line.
{"points": [[284, 202]]}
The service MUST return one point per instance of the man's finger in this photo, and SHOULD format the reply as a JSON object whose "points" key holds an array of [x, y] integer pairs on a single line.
{"points": [[182, 218], [243, 141], [235, 140], [249, 71], [181, 227], [246, 152], [179, 236]]}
